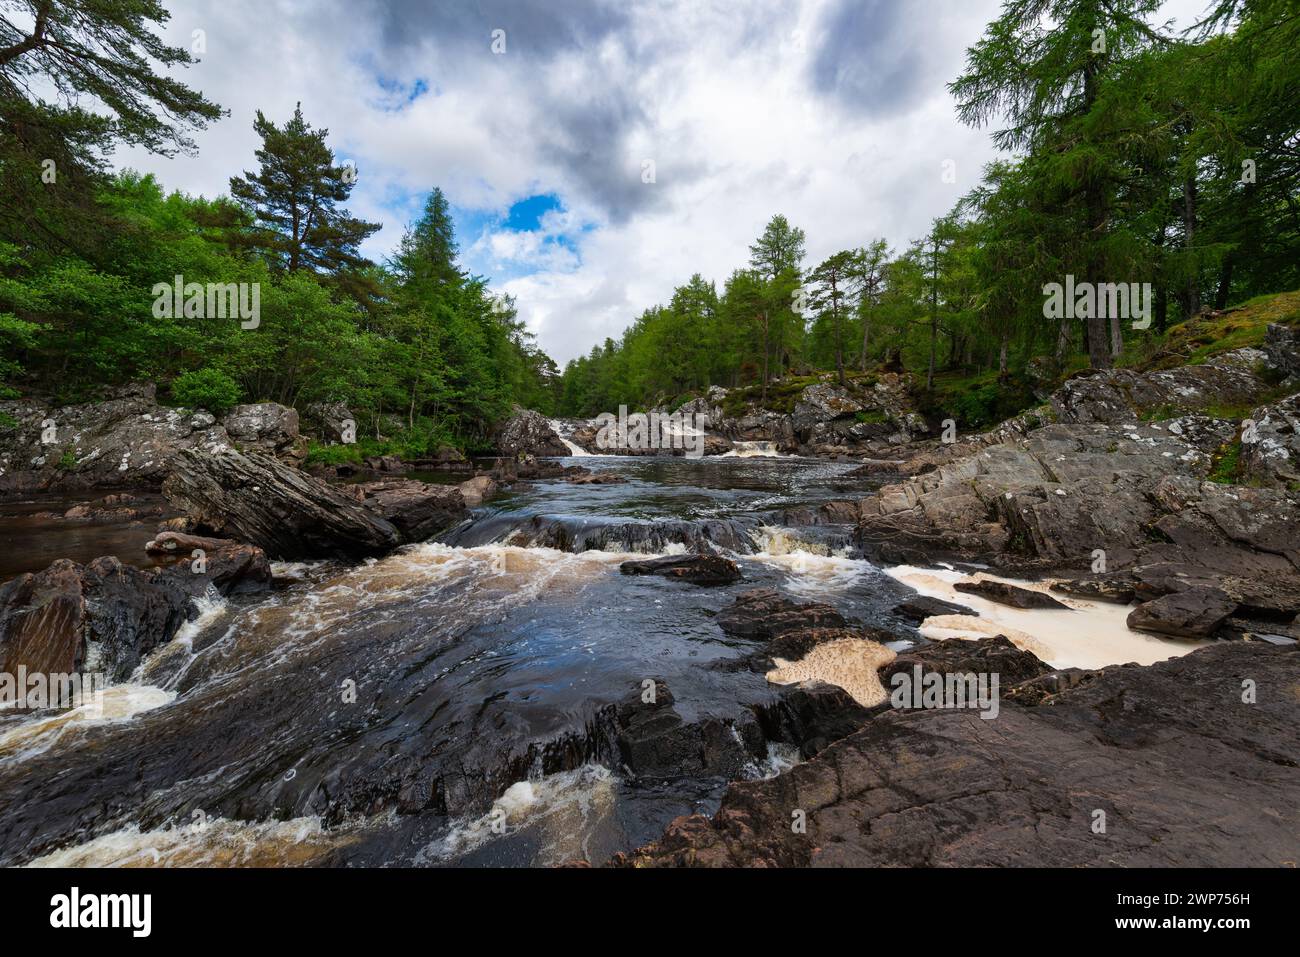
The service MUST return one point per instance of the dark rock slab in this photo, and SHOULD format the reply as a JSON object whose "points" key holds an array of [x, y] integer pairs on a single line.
{"points": [[1194, 613], [417, 510], [256, 499], [61, 619], [921, 607], [654, 742], [1005, 594], [707, 570], [1160, 750], [765, 614], [1115, 590]]}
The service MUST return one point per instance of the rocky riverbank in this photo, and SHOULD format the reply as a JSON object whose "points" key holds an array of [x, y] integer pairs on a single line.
{"points": [[1136, 489]]}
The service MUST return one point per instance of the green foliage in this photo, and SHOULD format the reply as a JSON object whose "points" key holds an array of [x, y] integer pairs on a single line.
{"points": [[207, 388], [1226, 468]]}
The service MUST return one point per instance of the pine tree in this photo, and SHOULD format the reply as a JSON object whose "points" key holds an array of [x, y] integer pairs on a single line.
{"points": [[294, 198]]}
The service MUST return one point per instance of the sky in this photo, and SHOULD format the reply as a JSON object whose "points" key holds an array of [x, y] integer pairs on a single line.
{"points": [[597, 154]]}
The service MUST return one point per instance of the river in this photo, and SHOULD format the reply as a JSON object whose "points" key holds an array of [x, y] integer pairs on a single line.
{"points": [[448, 704]]}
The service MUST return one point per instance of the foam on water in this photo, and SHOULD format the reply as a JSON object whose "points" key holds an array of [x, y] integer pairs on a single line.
{"points": [[754, 450], [212, 843], [814, 568], [849, 663], [561, 807], [1090, 634], [116, 703]]}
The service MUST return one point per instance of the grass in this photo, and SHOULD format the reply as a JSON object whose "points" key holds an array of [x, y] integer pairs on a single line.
{"points": [[1198, 339], [1226, 467]]}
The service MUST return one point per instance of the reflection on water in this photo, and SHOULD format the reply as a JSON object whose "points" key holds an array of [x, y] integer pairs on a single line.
{"points": [[33, 540]]}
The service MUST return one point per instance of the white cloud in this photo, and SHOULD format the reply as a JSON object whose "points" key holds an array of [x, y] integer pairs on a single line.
{"points": [[741, 117]]}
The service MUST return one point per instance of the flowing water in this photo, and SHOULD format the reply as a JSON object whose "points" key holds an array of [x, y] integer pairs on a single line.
{"points": [[450, 703]]}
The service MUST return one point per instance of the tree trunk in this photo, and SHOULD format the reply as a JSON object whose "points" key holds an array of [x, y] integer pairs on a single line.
{"points": [[1189, 232], [1225, 284], [1095, 203]]}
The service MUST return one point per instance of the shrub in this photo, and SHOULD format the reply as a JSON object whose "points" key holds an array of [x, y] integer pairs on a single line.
{"points": [[206, 388]]}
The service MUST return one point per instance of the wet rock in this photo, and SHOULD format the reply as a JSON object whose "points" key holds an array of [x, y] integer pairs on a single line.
{"points": [[707, 570], [811, 717], [765, 614], [476, 490], [917, 609], [232, 567], [595, 478], [256, 499], [930, 788], [1193, 613], [529, 433], [106, 616], [1005, 594], [110, 509], [417, 510], [655, 743], [125, 440], [986, 656]]}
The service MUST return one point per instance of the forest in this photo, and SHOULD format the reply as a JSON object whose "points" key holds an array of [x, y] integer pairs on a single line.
{"points": [[414, 346], [1130, 155]]}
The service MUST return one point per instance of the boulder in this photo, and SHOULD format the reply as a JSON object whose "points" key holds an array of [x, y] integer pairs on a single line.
{"points": [[821, 403], [256, 499], [707, 570], [654, 742], [263, 425], [529, 433], [1282, 347], [1270, 443], [1194, 613], [476, 490], [106, 616], [764, 614], [232, 567], [918, 609], [417, 510], [330, 422]]}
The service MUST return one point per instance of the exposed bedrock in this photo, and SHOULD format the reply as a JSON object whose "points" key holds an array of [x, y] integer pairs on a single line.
{"points": [[256, 499], [1176, 763], [106, 616]]}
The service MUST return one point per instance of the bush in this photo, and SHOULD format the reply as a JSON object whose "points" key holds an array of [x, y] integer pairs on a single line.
{"points": [[206, 388]]}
